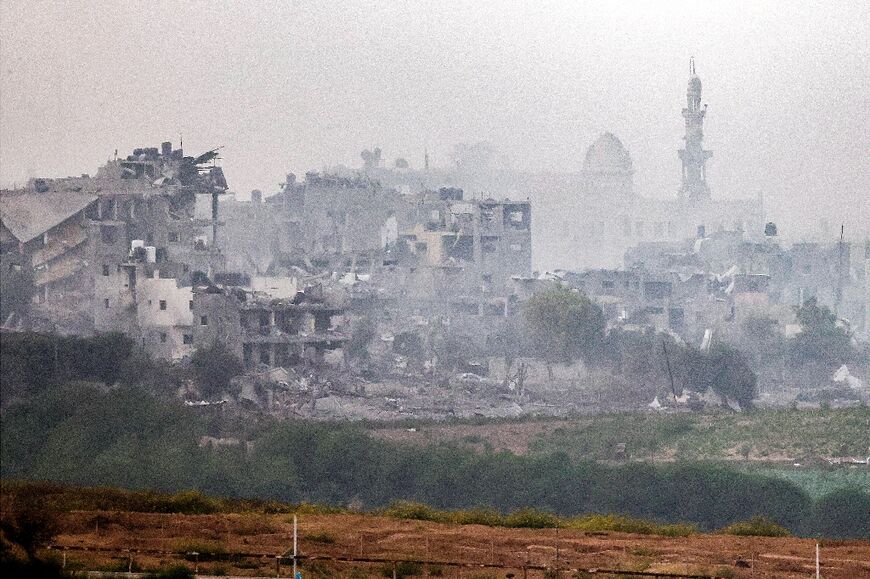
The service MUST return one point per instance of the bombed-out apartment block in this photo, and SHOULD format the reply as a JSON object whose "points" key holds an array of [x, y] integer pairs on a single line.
{"points": [[149, 246], [304, 328], [433, 251], [336, 222], [684, 304], [490, 239], [124, 246], [44, 257]]}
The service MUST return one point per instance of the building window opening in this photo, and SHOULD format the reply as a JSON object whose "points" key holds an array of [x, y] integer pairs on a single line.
{"points": [[105, 270], [162, 304], [203, 320]]}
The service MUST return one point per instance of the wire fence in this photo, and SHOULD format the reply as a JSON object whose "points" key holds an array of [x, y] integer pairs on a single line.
{"points": [[399, 566]]}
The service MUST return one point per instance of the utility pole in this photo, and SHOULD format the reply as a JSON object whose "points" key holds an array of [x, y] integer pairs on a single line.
{"points": [[294, 546], [818, 576], [839, 293]]}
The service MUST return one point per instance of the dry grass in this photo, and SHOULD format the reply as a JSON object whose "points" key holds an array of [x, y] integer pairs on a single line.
{"points": [[220, 537]]}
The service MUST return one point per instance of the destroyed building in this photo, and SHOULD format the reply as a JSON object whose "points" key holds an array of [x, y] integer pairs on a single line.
{"points": [[410, 262], [259, 328], [336, 222], [43, 255], [765, 274], [120, 249]]}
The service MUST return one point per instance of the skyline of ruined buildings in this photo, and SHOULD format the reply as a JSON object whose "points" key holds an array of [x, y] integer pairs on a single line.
{"points": [[156, 246]]}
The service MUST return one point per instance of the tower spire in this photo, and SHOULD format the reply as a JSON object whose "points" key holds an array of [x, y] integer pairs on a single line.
{"points": [[693, 156]]}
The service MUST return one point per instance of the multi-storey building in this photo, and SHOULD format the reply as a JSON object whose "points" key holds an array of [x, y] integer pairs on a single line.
{"points": [[44, 258]]}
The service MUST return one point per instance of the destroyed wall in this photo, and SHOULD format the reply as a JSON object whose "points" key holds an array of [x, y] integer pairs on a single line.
{"points": [[681, 303], [251, 235], [113, 300], [820, 271], [217, 320], [824, 271], [263, 330], [492, 239], [336, 217]]}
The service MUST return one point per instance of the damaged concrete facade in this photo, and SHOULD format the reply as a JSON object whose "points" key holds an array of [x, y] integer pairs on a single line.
{"points": [[149, 247], [126, 243], [43, 257], [263, 330], [432, 254]]}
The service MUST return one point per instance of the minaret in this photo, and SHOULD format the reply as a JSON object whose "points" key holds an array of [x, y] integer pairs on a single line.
{"points": [[693, 156]]}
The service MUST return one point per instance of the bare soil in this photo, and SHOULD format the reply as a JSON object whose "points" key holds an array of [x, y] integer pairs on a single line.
{"points": [[247, 544]]}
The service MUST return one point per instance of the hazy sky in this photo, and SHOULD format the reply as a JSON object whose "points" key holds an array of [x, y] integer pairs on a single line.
{"points": [[293, 86]]}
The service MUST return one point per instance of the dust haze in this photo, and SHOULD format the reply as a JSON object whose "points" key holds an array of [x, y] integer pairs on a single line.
{"points": [[597, 272], [298, 86]]}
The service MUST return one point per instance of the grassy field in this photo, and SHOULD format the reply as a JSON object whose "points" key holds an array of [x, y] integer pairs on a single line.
{"points": [[765, 442], [764, 435]]}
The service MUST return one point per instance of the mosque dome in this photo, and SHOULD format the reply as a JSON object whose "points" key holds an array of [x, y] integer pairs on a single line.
{"points": [[607, 155]]}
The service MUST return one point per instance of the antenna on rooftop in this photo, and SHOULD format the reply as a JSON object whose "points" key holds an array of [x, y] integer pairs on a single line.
{"points": [[839, 294]]}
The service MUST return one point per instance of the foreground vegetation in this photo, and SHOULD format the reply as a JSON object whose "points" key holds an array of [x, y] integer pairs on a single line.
{"points": [[79, 434], [172, 534]]}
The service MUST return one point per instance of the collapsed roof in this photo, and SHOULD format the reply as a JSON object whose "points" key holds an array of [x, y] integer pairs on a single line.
{"points": [[30, 214]]}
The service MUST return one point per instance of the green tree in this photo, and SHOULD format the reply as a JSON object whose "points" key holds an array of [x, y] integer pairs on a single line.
{"points": [[508, 342], [731, 377], [563, 325], [723, 370], [822, 345], [362, 333], [214, 367], [843, 513]]}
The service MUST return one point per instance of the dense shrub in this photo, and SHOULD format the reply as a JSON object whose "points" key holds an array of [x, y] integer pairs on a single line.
{"points": [[623, 524], [37, 361], [756, 526]]}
